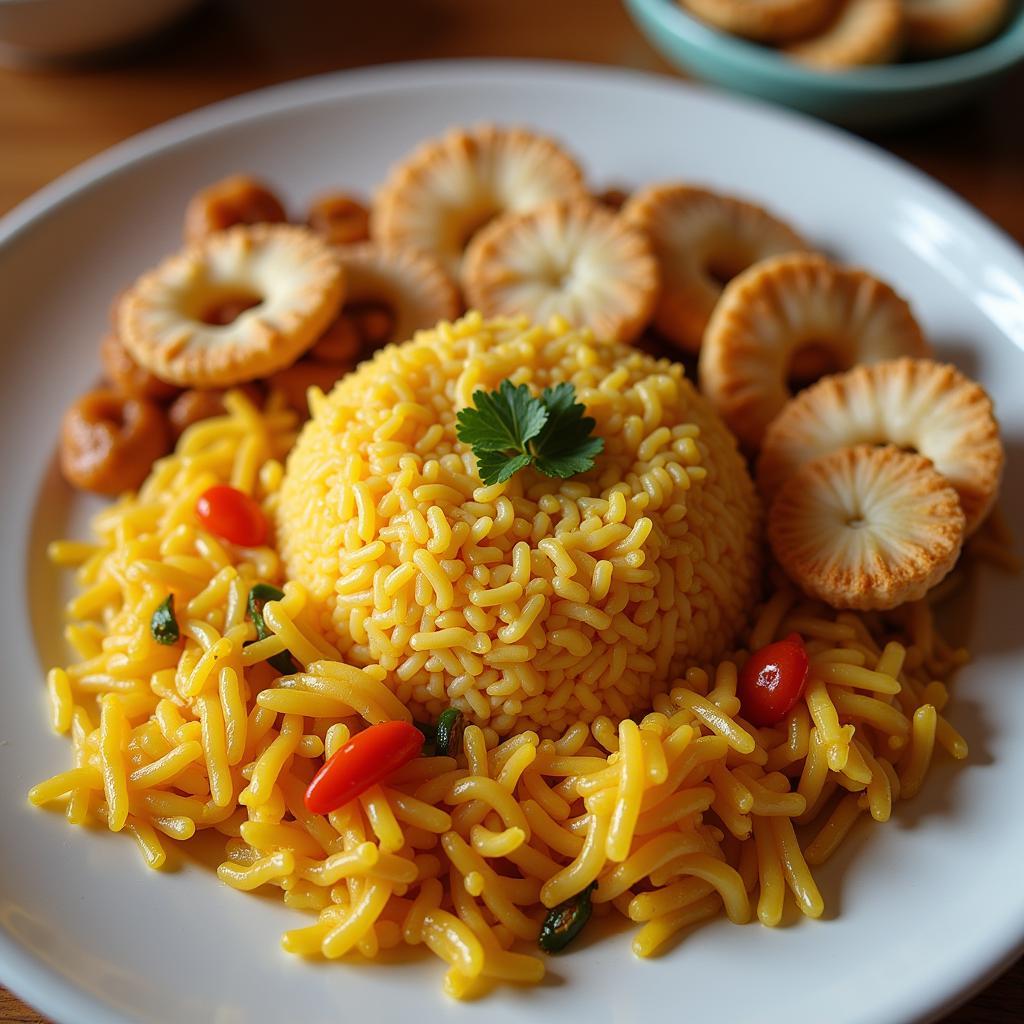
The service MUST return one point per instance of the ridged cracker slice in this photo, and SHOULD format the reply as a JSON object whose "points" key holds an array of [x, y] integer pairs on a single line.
{"points": [[916, 404], [866, 527], [291, 271], [699, 238], [236, 199], [777, 307], [411, 284], [861, 32], [936, 27], [571, 258], [766, 21], [448, 188]]}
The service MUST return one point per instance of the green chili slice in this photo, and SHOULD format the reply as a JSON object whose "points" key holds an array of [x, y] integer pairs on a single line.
{"points": [[163, 625], [429, 738], [450, 726], [566, 921], [258, 597], [260, 594], [282, 662]]}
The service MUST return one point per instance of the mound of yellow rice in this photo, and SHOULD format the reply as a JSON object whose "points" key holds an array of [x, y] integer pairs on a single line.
{"points": [[536, 603]]}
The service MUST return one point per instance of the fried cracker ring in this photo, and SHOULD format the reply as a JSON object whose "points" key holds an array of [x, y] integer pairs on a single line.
{"points": [[866, 527], [765, 21], [237, 199], [936, 27], [700, 238], [108, 443], [571, 258], [340, 218], [777, 308], [127, 377], [169, 319], [390, 294], [862, 32], [440, 195], [411, 285], [918, 404]]}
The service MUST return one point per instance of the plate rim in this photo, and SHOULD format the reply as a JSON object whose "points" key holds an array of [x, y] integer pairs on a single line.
{"points": [[20, 971]]}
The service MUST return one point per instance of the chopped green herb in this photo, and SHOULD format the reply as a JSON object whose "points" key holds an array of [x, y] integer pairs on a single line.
{"points": [[163, 625], [566, 921], [564, 447], [259, 595], [509, 429], [506, 418], [497, 467], [450, 726]]}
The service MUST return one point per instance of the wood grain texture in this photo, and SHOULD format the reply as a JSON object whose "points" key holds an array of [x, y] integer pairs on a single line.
{"points": [[51, 119]]}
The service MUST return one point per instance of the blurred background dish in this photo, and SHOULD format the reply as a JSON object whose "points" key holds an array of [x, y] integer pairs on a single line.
{"points": [[882, 95], [46, 30]]}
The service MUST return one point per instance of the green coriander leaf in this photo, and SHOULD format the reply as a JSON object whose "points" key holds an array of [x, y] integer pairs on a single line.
{"points": [[497, 467], [564, 447], [502, 420], [509, 429], [569, 463], [559, 400]]}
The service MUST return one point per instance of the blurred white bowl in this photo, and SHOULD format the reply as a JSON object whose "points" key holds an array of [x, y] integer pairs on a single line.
{"points": [[43, 30]]}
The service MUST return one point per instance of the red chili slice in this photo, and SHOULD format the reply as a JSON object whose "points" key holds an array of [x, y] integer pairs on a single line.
{"points": [[368, 758], [773, 680], [228, 513]]}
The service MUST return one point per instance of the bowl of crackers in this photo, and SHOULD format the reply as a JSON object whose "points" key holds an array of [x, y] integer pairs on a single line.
{"points": [[858, 63]]}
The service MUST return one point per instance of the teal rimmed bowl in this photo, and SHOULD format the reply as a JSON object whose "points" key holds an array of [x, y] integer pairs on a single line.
{"points": [[875, 96]]}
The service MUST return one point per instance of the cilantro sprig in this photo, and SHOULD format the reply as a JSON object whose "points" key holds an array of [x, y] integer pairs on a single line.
{"points": [[510, 429]]}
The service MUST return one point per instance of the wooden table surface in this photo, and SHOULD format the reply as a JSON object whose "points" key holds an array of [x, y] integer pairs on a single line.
{"points": [[52, 119]]}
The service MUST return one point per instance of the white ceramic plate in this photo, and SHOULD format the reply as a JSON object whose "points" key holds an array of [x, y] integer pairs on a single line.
{"points": [[919, 911]]}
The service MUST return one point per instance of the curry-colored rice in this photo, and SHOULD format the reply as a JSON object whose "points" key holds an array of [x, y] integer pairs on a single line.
{"points": [[539, 602]]}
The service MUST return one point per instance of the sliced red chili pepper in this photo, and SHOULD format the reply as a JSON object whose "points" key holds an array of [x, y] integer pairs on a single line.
{"points": [[368, 758], [228, 513], [773, 680]]}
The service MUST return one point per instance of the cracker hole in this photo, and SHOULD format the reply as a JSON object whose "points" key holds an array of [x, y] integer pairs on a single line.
{"points": [[108, 409], [722, 267], [226, 309], [556, 278], [374, 322], [810, 362]]}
